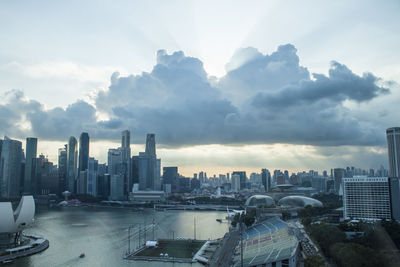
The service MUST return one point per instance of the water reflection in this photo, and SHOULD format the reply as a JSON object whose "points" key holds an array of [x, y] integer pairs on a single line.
{"points": [[103, 236]]}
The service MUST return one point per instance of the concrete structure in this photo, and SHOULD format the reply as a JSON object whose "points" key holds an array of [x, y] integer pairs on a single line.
{"points": [[146, 196], [268, 243], [338, 175], [235, 183], [171, 178], [82, 182], [31, 151], [126, 159], [83, 152], [117, 187], [393, 142], [370, 198], [62, 167], [299, 201], [147, 168], [92, 177], [72, 164], [266, 179], [10, 168], [151, 144], [260, 201], [243, 178]]}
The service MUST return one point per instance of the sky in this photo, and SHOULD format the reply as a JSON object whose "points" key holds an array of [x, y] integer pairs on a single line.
{"points": [[224, 85]]}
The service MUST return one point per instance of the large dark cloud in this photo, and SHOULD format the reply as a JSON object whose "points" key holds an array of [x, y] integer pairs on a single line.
{"points": [[261, 99]]}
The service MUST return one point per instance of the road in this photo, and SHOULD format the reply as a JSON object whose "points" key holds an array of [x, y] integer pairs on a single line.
{"points": [[224, 254]]}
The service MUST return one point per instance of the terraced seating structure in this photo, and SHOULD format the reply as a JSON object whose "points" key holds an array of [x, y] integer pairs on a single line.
{"points": [[268, 242]]}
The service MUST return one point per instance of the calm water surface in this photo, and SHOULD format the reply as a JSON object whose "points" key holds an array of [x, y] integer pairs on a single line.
{"points": [[103, 236]]}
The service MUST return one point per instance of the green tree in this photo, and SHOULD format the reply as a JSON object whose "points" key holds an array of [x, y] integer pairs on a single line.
{"points": [[354, 255], [314, 261], [326, 235]]}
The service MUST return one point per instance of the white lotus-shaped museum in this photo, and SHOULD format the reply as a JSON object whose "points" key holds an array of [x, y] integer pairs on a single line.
{"points": [[14, 221]]}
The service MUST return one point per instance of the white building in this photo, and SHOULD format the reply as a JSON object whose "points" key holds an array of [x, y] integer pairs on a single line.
{"points": [[367, 198]]}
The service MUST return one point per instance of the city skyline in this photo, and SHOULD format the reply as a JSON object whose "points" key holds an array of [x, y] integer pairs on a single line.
{"points": [[184, 170], [208, 92]]}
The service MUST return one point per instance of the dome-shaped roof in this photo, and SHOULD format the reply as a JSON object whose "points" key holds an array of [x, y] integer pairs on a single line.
{"points": [[13, 221], [299, 201], [260, 200]]}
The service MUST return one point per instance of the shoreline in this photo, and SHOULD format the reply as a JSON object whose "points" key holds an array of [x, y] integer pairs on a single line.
{"points": [[25, 253]]}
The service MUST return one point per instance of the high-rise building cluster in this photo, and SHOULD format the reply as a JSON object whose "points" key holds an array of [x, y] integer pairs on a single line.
{"points": [[374, 198], [140, 177], [76, 172]]}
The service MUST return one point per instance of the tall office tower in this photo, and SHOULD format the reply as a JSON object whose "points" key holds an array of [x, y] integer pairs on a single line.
{"points": [[92, 177], [126, 159], [10, 168], [151, 145], [135, 169], [393, 142], [126, 139], [171, 179], [62, 168], [114, 159], [83, 152], [72, 164], [338, 175], [286, 174], [149, 166], [31, 151], [370, 198], [149, 172], [235, 185], [243, 179], [266, 179]]}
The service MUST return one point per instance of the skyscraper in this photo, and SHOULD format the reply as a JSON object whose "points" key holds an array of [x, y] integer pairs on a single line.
{"points": [[338, 175], [114, 159], [393, 142], [266, 179], [149, 167], [31, 151], [126, 139], [243, 179], [126, 159], [92, 177], [83, 152], [10, 168], [62, 167], [171, 178], [72, 164], [151, 145]]}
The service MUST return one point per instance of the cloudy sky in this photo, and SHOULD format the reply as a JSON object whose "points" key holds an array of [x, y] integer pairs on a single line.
{"points": [[225, 86]]}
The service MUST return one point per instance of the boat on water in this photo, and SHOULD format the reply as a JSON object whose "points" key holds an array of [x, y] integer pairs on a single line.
{"points": [[7, 262], [219, 220], [82, 255]]}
